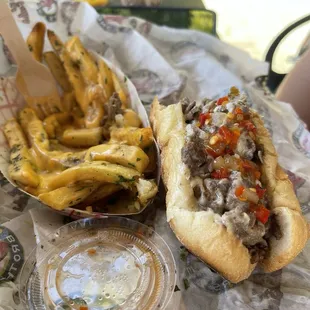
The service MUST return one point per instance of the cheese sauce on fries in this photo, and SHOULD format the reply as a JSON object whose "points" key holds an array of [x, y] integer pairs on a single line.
{"points": [[89, 150]]}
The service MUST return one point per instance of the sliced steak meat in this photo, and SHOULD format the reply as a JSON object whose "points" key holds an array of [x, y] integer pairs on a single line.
{"points": [[232, 201], [111, 108], [240, 223], [217, 190], [190, 109], [195, 156], [211, 194], [258, 252], [196, 159], [208, 105], [245, 146], [220, 194]]}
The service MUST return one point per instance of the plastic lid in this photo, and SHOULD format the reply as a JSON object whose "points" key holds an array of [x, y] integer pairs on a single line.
{"points": [[99, 263]]}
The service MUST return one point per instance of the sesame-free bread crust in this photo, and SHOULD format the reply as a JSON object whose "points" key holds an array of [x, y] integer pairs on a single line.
{"points": [[202, 232]]}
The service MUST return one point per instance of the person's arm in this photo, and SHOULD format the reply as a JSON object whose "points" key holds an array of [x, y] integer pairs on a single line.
{"points": [[295, 88]]}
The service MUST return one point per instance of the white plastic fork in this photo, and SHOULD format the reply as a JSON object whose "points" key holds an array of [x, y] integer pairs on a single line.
{"points": [[33, 80]]}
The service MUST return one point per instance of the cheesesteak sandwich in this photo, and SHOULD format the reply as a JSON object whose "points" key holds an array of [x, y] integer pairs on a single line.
{"points": [[228, 200]]}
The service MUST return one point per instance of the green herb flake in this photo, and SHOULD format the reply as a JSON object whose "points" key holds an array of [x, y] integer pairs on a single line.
{"points": [[80, 189], [138, 159], [30, 48], [57, 43], [131, 165], [123, 179], [186, 283], [15, 148], [106, 80], [141, 138], [72, 161], [125, 79], [183, 253], [42, 137], [16, 159]]}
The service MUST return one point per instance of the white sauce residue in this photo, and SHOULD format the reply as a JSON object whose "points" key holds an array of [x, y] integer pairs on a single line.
{"points": [[189, 130], [230, 106], [196, 181]]}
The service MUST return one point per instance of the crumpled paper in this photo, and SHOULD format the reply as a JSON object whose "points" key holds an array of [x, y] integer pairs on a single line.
{"points": [[172, 63]]}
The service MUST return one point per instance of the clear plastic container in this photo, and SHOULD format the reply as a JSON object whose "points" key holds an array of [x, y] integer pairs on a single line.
{"points": [[99, 263]]}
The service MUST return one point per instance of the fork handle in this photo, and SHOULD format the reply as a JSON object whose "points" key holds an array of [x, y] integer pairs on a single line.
{"points": [[12, 36]]}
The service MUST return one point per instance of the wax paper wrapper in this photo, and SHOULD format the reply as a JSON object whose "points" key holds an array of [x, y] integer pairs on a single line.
{"points": [[173, 63], [11, 102]]}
